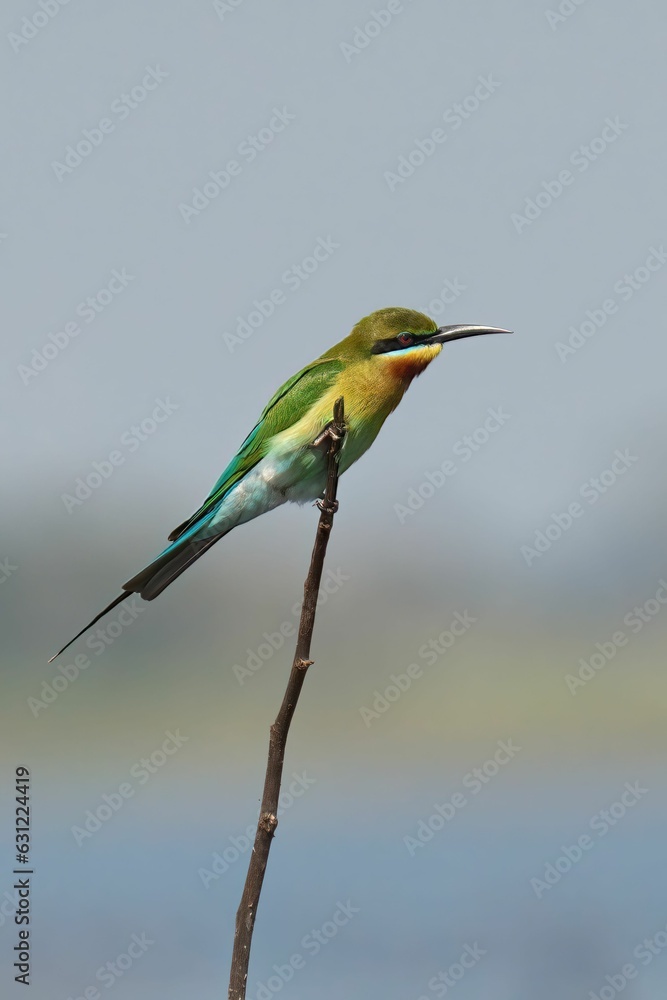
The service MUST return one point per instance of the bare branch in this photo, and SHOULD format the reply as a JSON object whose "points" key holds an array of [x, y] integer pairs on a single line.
{"points": [[333, 435]]}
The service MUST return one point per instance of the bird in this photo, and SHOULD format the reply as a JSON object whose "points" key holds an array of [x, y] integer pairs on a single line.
{"points": [[280, 460]]}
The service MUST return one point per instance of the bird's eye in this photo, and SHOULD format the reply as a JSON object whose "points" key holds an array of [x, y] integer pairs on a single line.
{"points": [[405, 339]]}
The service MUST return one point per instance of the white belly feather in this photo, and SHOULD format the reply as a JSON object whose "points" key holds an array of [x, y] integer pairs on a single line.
{"points": [[273, 481]]}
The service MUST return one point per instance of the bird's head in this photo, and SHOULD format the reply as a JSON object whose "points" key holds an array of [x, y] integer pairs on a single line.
{"points": [[405, 340]]}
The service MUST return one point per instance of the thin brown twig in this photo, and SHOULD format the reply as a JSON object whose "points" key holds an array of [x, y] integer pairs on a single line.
{"points": [[268, 821]]}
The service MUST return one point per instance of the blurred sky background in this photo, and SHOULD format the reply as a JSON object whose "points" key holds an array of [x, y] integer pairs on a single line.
{"points": [[548, 86]]}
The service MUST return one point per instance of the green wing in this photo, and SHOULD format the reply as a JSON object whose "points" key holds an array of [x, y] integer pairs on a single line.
{"points": [[284, 409]]}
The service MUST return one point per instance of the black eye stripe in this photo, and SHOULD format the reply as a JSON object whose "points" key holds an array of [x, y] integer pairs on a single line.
{"points": [[394, 343]]}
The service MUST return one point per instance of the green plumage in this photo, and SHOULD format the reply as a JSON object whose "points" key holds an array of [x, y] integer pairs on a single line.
{"points": [[371, 369], [284, 408]]}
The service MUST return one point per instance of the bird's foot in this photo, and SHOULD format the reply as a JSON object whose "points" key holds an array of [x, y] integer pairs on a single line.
{"points": [[326, 506], [332, 432]]}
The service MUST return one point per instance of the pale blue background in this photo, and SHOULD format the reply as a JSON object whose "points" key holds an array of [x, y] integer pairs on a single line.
{"points": [[163, 337]]}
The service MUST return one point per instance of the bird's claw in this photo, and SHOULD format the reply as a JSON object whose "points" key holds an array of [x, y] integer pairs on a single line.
{"points": [[332, 432], [326, 506]]}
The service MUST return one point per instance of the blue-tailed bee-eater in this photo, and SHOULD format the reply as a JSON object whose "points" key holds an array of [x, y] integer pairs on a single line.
{"points": [[278, 461]]}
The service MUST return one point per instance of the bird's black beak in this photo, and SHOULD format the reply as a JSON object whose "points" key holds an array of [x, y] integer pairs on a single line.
{"points": [[447, 333]]}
